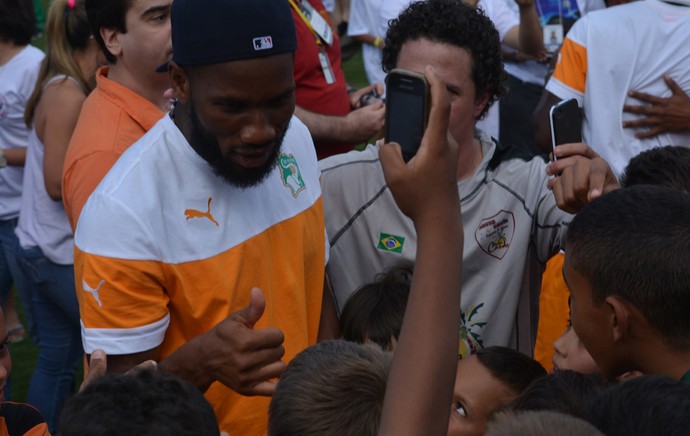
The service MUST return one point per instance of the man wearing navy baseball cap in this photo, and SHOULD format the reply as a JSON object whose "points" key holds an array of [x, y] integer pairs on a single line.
{"points": [[204, 246]]}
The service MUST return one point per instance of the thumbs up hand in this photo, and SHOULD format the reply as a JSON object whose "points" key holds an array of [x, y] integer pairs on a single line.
{"points": [[242, 358]]}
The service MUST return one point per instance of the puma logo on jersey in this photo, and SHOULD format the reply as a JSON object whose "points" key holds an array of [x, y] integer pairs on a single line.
{"points": [[93, 291], [193, 213]]}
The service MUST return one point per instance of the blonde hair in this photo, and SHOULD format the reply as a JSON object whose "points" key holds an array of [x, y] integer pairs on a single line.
{"points": [[67, 30]]}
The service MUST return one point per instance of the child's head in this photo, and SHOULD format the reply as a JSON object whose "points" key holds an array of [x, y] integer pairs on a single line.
{"points": [[645, 405], [663, 166], [485, 382], [375, 312], [572, 355], [539, 423], [563, 391], [626, 263], [147, 403], [17, 21], [333, 387]]}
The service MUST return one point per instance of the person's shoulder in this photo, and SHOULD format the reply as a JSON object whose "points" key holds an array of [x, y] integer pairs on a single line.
{"points": [[350, 179], [505, 153], [367, 159], [519, 169], [33, 54], [63, 89]]}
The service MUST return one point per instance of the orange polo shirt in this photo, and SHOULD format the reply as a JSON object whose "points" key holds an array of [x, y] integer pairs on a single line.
{"points": [[112, 118]]}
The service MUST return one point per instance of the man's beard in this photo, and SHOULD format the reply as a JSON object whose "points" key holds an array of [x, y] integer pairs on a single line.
{"points": [[206, 145]]}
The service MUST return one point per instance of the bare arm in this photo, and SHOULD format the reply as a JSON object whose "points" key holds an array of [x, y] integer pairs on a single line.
{"points": [[233, 352], [359, 125], [419, 390], [15, 156], [527, 37], [376, 41], [60, 106], [329, 327]]}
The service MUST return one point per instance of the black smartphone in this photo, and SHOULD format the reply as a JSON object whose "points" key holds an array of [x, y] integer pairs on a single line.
{"points": [[407, 110], [566, 123]]}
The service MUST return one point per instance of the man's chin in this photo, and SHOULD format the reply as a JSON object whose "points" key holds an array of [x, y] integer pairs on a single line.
{"points": [[244, 177]]}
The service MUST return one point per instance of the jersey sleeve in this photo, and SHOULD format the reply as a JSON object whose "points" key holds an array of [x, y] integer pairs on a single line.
{"points": [[570, 76], [120, 282]]}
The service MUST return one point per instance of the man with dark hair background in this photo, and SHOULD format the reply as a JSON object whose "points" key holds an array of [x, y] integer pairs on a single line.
{"points": [[128, 98]]}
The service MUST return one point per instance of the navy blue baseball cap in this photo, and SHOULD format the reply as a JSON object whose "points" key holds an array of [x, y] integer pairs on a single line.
{"points": [[206, 32]]}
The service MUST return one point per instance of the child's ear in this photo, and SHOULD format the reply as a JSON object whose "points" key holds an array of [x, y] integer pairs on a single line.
{"points": [[619, 317]]}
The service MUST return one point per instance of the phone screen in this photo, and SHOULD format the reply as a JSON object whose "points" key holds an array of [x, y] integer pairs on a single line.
{"points": [[566, 123], [406, 112]]}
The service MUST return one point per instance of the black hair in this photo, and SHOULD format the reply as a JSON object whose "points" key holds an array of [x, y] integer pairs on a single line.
{"points": [[107, 14], [664, 166], [147, 403], [510, 366], [17, 21], [333, 387], [564, 391], [635, 243], [375, 312], [456, 23], [645, 405]]}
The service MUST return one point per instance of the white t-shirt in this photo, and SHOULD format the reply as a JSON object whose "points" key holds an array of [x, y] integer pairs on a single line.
{"points": [[364, 16], [611, 52], [17, 82], [42, 221], [533, 71], [497, 11]]}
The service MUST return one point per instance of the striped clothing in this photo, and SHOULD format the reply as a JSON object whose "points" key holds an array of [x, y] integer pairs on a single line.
{"points": [[610, 52], [165, 250]]}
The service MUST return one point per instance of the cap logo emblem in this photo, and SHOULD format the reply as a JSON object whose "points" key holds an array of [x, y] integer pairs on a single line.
{"points": [[263, 43]]}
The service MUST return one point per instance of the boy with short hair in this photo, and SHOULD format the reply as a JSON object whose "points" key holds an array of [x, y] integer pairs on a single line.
{"points": [[626, 264]]}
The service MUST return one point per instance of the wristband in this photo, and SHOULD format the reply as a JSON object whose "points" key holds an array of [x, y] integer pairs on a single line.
{"points": [[378, 42]]}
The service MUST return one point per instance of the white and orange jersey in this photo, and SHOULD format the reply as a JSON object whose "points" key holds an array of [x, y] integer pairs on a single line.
{"points": [[165, 250], [610, 52]]}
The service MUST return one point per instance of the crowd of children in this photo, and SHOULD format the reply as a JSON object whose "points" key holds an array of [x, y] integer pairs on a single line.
{"points": [[400, 354]]}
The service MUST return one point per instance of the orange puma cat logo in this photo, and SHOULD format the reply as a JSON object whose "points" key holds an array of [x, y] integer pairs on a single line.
{"points": [[193, 213]]}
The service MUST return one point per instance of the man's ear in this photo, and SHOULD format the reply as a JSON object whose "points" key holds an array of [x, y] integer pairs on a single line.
{"points": [[480, 103], [179, 81], [620, 315], [111, 38]]}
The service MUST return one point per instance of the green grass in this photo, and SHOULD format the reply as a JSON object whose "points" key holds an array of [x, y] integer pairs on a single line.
{"points": [[25, 353]]}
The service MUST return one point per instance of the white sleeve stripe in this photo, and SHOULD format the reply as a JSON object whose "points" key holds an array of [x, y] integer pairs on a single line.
{"points": [[563, 91], [124, 341]]}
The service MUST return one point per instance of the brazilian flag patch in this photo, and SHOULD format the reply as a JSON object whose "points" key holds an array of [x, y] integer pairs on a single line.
{"points": [[391, 243]]}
